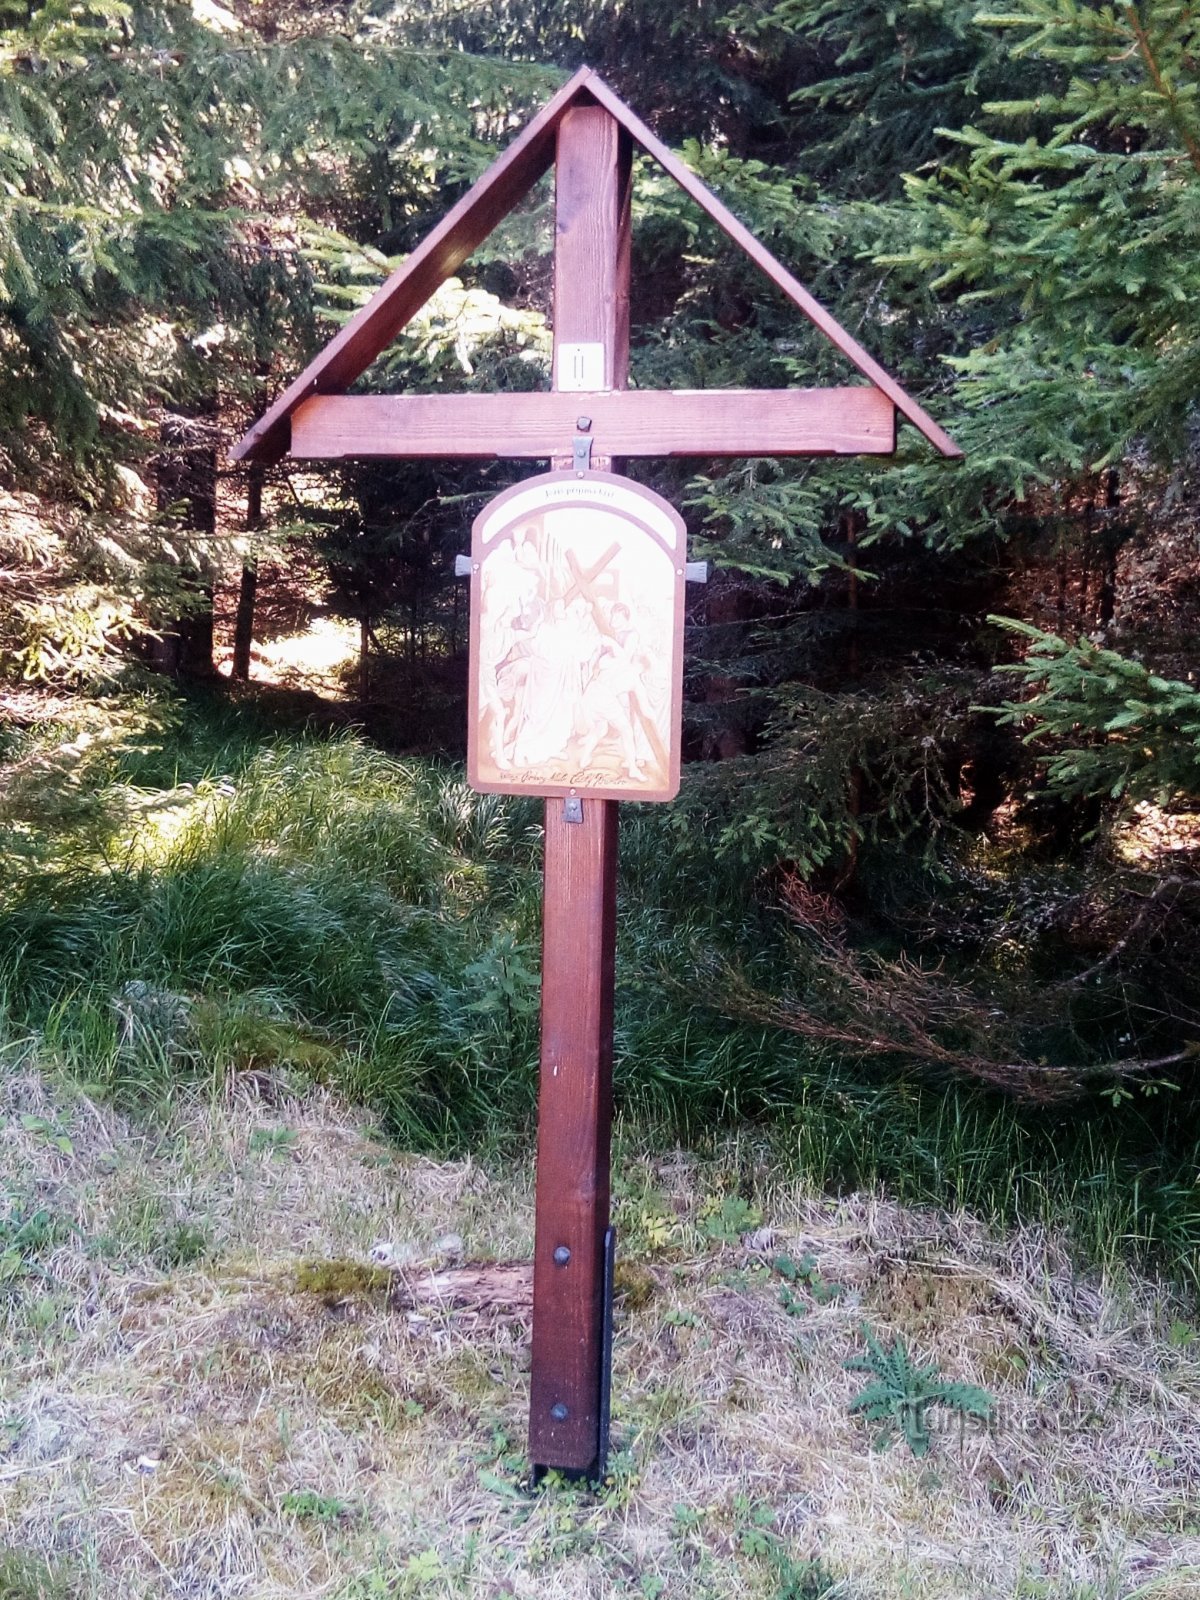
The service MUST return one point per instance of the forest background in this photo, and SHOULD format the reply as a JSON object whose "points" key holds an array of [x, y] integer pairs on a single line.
{"points": [[926, 910], [908, 979]]}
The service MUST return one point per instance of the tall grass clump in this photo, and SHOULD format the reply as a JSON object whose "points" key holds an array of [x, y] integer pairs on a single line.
{"points": [[314, 904]]}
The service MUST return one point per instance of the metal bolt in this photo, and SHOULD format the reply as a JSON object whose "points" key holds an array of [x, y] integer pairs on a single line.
{"points": [[559, 1411], [583, 423], [561, 1256]]}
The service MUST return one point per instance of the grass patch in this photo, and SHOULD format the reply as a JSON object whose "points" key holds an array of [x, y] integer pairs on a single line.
{"points": [[237, 909], [27, 1577], [220, 1427]]}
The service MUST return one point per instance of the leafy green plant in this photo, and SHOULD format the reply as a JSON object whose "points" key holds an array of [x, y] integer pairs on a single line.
{"points": [[727, 1218], [307, 1505], [754, 1522], [807, 1579], [21, 1238], [900, 1394], [507, 981], [50, 1132], [1107, 725], [803, 1274], [423, 1567]]}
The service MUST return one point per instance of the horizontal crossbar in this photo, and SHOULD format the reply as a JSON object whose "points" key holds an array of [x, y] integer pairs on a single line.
{"points": [[631, 422]]}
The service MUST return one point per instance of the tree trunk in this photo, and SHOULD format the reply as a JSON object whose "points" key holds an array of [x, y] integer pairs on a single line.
{"points": [[1060, 573], [854, 669], [1106, 600], [243, 624], [187, 479], [243, 627], [725, 603], [854, 664]]}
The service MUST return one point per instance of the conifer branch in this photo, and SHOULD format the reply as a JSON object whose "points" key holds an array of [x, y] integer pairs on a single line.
{"points": [[1161, 84]]}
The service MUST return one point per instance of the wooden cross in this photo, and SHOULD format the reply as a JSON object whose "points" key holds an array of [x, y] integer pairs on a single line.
{"points": [[585, 577], [589, 134]]}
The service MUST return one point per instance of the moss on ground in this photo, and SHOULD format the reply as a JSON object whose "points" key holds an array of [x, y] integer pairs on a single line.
{"points": [[338, 1280]]}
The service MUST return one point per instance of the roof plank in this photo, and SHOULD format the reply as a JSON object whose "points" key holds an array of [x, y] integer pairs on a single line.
{"points": [[439, 255]]}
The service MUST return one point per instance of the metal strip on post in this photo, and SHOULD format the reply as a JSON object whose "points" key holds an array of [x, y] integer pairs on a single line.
{"points": [[569, 1380]]}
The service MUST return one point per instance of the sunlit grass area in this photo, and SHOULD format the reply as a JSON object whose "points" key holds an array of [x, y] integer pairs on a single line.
{"points": [[320, 658], [209, 1388]]}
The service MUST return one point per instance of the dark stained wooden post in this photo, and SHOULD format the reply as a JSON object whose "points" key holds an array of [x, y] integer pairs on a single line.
{"points": [[243, 627], [591, 326]]}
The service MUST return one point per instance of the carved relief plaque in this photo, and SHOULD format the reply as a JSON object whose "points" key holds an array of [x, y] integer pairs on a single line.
{"points": [[577, 584]]}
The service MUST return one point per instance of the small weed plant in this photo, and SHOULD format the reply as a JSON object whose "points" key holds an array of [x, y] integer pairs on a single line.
{"points": [[308, 1505], [789, 1578], [901, 1393], [724, 1218], [22, 1236], [800, 1277]]}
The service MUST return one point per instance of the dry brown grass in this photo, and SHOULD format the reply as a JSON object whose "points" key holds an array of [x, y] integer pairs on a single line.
{"points": [[207, 1427]]}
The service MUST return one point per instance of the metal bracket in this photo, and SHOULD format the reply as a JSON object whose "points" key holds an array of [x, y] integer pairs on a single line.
{"points": [[695, 572], [581, 453], [595, 1474], [610, 1254], [462, 566], [572, 809]]}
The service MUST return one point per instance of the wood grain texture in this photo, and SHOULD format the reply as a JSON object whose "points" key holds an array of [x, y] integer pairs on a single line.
{"points": [[574, 1129], [591, 265], [510, 177], [591, 227], [635, 422], [774, 269], [572, 493], [436, 258]]}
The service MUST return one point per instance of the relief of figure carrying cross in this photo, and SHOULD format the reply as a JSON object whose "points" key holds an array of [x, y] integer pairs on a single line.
{"points": [[577, 595]]}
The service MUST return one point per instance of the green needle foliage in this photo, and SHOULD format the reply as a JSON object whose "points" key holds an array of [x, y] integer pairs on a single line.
{"points": [[1069, 218], [1106, 725], [901, 1393], [888, 77], [161, 167]]}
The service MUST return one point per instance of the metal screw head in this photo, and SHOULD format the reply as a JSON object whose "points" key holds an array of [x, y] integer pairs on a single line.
{"points": [[561, 1256], [559, 1411]]}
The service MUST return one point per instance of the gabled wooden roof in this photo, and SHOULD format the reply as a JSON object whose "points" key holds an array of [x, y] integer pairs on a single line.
{"points": [[502, 186]]}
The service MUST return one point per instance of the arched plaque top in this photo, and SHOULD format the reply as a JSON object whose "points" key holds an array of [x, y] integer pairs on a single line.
{"points": [[577, 583], [560, 489]]}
